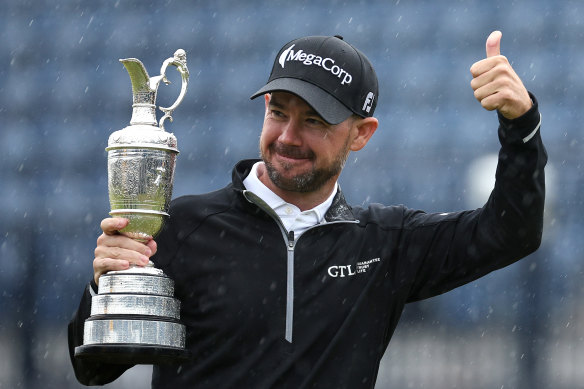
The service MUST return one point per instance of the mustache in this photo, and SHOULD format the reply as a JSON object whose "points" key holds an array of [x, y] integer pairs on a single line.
{"points": [[291, 151]]}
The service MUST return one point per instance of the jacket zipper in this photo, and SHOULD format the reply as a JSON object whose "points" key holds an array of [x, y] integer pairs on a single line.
{"points": [[290, 245], [290, 286]]}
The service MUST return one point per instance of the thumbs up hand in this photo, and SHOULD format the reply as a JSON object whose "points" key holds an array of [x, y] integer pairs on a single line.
{"points": [[495, 83]]}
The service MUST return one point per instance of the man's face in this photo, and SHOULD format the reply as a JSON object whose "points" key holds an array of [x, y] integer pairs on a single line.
{"points": [[300, 150]]}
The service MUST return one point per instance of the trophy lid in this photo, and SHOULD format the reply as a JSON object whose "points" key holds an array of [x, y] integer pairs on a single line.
{"points": [[142, 136], [142, 131]]}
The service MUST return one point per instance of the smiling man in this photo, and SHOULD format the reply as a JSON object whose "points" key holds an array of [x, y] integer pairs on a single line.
{"points": [[284, 284], [302, 154]]}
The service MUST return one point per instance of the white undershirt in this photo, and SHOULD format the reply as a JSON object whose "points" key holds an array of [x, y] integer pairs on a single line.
{"points": [[293, 218]]}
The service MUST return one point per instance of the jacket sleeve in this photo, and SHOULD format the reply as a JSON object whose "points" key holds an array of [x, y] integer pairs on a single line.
{"points": [[444, 251], [86, 372]]}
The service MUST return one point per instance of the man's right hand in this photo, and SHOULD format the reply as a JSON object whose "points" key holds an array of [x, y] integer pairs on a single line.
{"points": [[115, 251]]}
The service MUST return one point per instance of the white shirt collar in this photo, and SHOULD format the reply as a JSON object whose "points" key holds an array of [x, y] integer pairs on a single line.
{"points": [[291, 216]]}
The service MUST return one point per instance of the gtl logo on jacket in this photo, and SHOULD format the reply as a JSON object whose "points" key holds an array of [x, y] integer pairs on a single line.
{"points": [[349, 270]]}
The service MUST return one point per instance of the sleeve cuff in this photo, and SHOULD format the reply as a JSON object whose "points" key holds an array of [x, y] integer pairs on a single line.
{"points": [[532, 134], [93, 288], [523, 128]]}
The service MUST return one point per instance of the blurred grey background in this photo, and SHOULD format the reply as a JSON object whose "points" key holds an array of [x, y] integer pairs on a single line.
{"points": [[63, 91]]}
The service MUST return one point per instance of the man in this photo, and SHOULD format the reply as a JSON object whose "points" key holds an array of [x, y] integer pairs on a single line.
{"points": [[285, 285]]}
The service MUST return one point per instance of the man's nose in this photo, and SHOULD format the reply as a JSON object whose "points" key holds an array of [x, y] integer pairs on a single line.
{"points": [[291, 133]]}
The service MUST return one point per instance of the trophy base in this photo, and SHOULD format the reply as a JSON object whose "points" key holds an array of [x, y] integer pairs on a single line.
{"points": [[132, 354]]}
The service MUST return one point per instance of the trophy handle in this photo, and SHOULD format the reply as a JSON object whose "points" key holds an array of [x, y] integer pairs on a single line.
{"points": [[179, 60]]}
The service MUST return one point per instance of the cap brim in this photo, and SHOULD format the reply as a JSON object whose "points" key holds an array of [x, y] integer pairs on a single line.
{"points": [[327, 106]]}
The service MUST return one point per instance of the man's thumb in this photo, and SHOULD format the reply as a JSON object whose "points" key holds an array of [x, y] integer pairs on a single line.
{"points": [[494, 44]]}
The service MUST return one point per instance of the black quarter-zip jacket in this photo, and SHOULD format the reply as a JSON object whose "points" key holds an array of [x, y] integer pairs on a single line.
{"points": [[266, 310]]}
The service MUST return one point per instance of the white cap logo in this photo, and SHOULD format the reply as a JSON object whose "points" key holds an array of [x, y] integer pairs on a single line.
{"points": [[327, 63]]}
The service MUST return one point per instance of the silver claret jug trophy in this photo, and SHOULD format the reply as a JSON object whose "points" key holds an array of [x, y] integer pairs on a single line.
{"points": [[135, 318]]}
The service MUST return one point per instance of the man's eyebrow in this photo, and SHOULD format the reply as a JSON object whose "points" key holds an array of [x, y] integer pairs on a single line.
{"points": [[275, 103]]}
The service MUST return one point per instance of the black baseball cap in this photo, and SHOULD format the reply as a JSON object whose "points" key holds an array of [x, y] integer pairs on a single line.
{"points": [[333, 77]]}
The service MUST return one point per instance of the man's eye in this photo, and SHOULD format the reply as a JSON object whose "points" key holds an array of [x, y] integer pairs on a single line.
{"points": [[315, 122], [277, 113]]}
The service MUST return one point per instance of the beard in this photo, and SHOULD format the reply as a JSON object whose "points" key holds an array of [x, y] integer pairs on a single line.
{"points": [[309, 181]]}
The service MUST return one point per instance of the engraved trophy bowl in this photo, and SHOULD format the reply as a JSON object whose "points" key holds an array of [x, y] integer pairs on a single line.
{"points": [[135, 318], [141, 161]]}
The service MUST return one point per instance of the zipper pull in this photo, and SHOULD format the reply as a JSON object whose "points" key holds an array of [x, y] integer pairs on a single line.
{"points": [[290, 239]]}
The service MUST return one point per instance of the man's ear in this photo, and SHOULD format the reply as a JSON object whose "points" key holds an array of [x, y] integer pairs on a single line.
{"points": [[365, 128], [267, 98]]}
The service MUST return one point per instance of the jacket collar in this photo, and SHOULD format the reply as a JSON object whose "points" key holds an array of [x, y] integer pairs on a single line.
{"points": [[338, 211]]}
